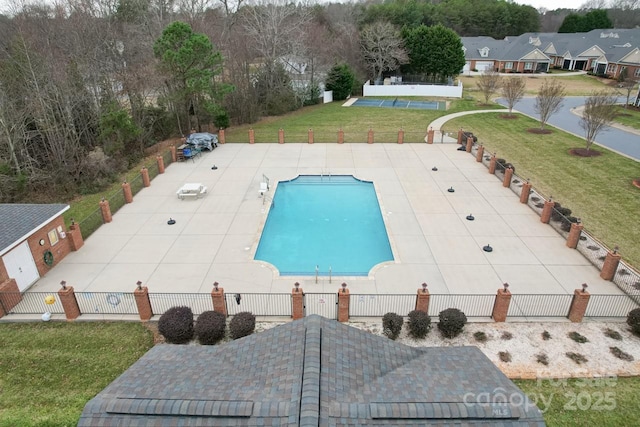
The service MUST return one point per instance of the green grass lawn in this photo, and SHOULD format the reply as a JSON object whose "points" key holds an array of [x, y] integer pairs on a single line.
{"points": [[628, 117], [598, 190], [49, 371], [586, 402], [327, 119]]}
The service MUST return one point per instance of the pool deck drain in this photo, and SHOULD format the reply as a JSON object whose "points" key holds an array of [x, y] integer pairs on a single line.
{"points": [[431, 240]]}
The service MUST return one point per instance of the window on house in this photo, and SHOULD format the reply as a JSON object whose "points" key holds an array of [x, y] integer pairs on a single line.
{"points": [[528, 65], [484, 52], [508, 65], [637, 73], [611, 68]]}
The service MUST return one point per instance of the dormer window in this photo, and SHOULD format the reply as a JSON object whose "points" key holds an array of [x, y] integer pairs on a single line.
{"points": [[484, 52]]}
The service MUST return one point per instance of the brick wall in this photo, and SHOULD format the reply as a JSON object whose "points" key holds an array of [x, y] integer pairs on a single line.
{"points": [[59, 250]]}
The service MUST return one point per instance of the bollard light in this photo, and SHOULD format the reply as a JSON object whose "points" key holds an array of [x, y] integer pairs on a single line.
{"points": [[506, 286], [584, 287], [63, 284], [139, 283], [424, 288], [215, 286], [344, 287], [297, 285]]}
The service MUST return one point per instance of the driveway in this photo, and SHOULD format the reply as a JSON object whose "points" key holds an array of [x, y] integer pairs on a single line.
{"points": [[621, 141]]}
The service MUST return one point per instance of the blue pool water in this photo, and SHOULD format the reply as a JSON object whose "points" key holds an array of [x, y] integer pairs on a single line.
{"points": [[330, 222]]}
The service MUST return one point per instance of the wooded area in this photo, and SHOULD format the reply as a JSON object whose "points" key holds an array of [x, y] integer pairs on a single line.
{"points": [[86, 85]]}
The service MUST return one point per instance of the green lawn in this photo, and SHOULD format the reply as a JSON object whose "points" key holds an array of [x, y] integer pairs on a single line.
{"points": [[327, 119], [586, 402], [628, 117], [598, 190], [49, 371]]}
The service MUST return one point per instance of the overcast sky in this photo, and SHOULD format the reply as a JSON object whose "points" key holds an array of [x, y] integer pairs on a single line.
{"points": [[552, 4]]}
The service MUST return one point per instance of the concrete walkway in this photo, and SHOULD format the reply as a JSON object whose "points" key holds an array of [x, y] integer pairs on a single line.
{"points": [[215, 237]]}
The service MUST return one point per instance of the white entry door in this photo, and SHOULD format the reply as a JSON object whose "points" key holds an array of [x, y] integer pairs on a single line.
{"points": [[21, 266]]}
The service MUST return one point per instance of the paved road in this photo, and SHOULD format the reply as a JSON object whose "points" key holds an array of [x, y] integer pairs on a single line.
{"points": [[623, 142]]}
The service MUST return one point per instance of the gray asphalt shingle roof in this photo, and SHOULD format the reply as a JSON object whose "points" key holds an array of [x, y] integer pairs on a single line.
{"points": [[19, 220], [612, 41], [313, 371]]}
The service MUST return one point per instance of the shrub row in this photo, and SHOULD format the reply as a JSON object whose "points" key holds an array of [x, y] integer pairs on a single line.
{"points": [[451, 323], [177, 327]]}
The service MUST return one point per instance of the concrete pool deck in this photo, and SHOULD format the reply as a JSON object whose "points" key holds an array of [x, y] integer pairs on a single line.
{"points": [[215, 237]]}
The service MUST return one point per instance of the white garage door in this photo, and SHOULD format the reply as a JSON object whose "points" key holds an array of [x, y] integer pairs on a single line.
{"points": [[21, 266], [467, 67], [484, 65]]}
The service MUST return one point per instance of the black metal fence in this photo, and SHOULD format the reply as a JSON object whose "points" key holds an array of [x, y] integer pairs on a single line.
{"points": [[626, 277], [324, 304]]}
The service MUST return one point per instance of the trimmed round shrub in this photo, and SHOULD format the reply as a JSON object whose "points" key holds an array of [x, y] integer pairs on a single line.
{"points": [[451, 322], [242, 324], [419, 324], [176, 325], [211, 327], [392, 325], [633, 320]]}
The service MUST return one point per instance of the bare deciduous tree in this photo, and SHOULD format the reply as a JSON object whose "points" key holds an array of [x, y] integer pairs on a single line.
{"points": [[549, 99], [599, 111], [489, 83], [382, 47], [627, 83], [513, 90]]}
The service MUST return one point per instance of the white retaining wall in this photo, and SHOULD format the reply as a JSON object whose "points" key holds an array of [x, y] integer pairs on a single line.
{"points": [[413, 90]]}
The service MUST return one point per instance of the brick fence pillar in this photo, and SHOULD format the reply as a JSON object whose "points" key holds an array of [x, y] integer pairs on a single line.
{"points": [[574, 235], [221, 137], [75, 236], [126, 190], [69, 302], [252, 136], [174, 154], [217, 296], [281, 136], [524, 194], [508, 174], [10, 296], [501, 304], [297, 302], [492, 164], [343, 304], [460, 136], [370, 136], [430, 135], [310, 136], [141, 295], [106, 210], [422, 299], [469, 144], [144, 172], [340, 136], [400, 136], [579, 304], [610, 265], [547, 210], [480, 153], [160, 161]]}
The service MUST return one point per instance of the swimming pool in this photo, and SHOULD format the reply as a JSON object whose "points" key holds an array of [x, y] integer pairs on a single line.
{"points": [[332, 222]]}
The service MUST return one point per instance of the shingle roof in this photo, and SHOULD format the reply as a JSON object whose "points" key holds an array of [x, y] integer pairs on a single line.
{"points": [[313, 371], [21, 220]]}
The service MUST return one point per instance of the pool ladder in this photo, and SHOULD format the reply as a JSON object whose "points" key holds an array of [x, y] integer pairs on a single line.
{"points": [[323, 174], [318, 269]]}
